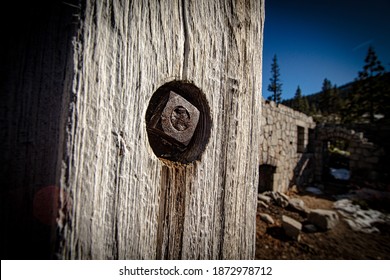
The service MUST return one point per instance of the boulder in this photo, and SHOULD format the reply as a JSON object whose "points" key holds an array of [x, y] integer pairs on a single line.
{"points": [[269, 193], [323, 219], [284, 196], [267, 218], [262, 204], [281, 201], [279, 198], [291, 227], [298, 205], [264, 198]]}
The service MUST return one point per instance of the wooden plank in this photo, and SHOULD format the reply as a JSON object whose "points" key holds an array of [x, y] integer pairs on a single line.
{"points": [[125, 202], [118, 199]]}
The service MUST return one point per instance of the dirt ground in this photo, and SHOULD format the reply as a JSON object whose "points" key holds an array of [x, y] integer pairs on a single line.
{"points": [[340, 242]]}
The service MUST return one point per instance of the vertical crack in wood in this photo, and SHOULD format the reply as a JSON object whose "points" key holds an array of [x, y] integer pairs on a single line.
{"points": [[171, 212], [116, 212], [162, 214], [186, 41]]}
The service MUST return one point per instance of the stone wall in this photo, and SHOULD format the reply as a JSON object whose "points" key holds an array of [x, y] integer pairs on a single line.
{"points": [[284, 146], [293, 150], [364, 156]]}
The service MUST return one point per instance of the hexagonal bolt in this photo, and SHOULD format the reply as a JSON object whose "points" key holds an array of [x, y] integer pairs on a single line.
{"points": [[179, 118]]}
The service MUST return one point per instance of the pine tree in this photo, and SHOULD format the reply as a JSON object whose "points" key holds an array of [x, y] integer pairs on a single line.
{"points": [[335, 102], [312, 108], [275, 86], [300, 102], [384, 106], [369, 86], [326, 97], [297, 100], [305, 105], [351, 112]]}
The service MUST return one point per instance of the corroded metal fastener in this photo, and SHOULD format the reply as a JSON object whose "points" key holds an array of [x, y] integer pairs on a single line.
{"points": [[178, 122], [179, 118]]}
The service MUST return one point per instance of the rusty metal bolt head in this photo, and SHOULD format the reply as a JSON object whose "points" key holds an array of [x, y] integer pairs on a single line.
{"points": [[175, 111], [179, 118]]}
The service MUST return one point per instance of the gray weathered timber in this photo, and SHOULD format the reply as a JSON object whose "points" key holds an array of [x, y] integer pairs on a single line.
{"points": [[75, 105], [128, 204]]}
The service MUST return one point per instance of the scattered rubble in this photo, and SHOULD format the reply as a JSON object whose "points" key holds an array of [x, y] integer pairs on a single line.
{"points": [[262, 204], [291, 227], [298, 205], [323, 219], [359, 219], [264, 198], [317, 227], [279, 198], [267, 218], [282, 200]]}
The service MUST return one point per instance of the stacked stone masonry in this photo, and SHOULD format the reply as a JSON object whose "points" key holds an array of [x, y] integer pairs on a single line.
{"points": [[292, 149], [364, 156], [284, 145]]}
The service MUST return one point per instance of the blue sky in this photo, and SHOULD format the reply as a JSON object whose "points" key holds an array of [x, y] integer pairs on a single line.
{"points": [[319, 39]]}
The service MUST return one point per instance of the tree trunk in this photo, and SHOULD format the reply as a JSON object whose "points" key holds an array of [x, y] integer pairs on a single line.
{"points": [[121, 201]]}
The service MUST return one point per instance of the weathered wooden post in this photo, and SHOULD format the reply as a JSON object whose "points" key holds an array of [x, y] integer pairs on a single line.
{"points": [[160, 125]]}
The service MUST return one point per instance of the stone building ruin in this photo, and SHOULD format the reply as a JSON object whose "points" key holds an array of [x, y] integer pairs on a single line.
{"points": [[284, 147], [363, 156], [294, 149]]}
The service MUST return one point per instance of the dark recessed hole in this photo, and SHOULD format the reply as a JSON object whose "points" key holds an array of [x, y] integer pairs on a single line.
{"points": [[178, 122]]}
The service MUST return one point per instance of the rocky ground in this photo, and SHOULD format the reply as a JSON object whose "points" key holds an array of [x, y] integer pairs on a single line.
{"points": [[359, 232]]}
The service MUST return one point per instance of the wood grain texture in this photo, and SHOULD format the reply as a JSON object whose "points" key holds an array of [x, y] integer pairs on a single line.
{"points": [[125, 202]]}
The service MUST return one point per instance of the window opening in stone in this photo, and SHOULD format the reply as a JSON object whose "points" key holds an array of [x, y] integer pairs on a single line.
{"points": [[266, 177], [310, 144], [301, 139]]}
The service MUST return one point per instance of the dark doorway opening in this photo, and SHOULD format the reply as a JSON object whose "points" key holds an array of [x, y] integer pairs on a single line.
{"points": [[266, 177], [336, 161]]}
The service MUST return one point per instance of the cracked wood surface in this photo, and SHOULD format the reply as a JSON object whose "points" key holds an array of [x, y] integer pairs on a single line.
{"points": [[125, 202]]}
